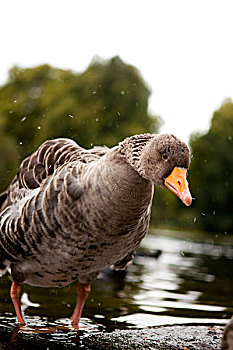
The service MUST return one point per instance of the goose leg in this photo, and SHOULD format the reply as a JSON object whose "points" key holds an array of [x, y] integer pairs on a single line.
{"points": [[16, 292], [83, 290]]}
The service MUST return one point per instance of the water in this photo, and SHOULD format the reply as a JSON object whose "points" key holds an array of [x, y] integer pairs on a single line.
{"points": [[190, 283]]}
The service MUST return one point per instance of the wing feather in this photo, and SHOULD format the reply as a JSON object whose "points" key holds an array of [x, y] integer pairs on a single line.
{"points": [[43, 162]]}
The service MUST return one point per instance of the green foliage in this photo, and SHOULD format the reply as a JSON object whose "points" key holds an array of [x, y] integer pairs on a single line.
{"points": [[8, 158], [100, 106], [168, 210], [211, 172], [103, 105], [211, 181]]}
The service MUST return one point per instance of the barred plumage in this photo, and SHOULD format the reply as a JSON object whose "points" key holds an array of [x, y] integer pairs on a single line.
{"points": [[70, 212]]}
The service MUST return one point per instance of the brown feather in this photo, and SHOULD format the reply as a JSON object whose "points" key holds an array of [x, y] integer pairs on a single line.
{"points": [[71, 212]]}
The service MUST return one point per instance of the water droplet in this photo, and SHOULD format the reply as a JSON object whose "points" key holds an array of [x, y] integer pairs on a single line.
{"points": [[35, 92], [99, 316]]}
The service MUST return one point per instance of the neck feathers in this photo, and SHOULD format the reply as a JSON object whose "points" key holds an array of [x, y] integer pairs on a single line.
{"points": [[132, 148]]}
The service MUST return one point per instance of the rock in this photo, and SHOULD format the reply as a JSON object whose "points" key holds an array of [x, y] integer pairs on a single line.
{"points": [[58, 336], [162, 338]]}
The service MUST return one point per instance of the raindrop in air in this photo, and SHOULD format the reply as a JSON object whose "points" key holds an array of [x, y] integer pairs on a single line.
{"points": [[35, 92]]}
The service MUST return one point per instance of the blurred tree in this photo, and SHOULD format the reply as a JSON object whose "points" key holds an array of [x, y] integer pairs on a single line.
{"points": [[169, 211], [211, 172], [102, 105], [8, 158]]}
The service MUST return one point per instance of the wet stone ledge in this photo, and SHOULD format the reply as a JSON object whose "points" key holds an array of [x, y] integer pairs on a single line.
{"points": [[163, 338], [55, 336]]}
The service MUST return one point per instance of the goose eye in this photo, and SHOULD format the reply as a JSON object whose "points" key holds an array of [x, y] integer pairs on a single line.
{"points": [[164, 156]]}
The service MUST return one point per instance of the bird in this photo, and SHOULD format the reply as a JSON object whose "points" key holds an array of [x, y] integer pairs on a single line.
{"points": [[70, 212]]}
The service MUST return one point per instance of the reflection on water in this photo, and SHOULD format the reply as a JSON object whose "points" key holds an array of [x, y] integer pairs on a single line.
{"points": [[41, 334], [191, 282]]}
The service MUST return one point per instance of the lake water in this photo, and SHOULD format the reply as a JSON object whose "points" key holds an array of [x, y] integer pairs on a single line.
{"points": [[191, 282]]}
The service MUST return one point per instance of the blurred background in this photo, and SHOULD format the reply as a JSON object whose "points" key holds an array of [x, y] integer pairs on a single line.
{"points": [[101, 106], [98, 72]]}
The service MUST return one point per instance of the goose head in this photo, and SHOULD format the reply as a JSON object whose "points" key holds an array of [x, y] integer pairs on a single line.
{"points": [[162, 159]]}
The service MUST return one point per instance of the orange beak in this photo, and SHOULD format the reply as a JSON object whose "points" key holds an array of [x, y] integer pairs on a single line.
{"points": [[178, 184]]}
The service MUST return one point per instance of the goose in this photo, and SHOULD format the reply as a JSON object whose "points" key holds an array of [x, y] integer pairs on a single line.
{"points": [[71, 212]]}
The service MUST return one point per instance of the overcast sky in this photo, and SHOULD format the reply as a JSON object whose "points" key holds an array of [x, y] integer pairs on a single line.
{"points": [[183, 49]]}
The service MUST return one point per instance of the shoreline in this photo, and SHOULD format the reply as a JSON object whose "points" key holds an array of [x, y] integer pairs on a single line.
{"points": [[176, 337]]}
